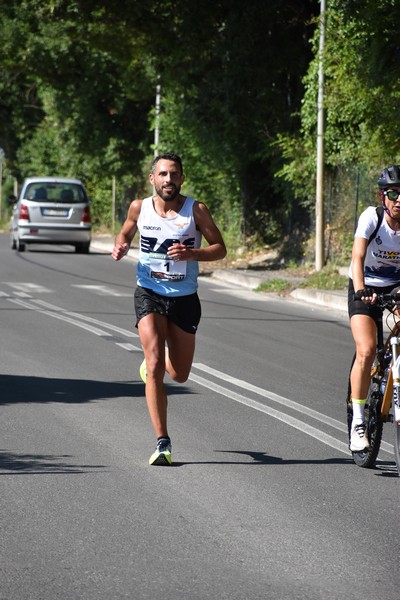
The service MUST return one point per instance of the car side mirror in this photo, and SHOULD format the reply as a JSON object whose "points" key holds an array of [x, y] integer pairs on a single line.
{"points": [[12, 199]]}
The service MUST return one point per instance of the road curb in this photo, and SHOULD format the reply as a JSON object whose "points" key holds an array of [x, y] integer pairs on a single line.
{"points": [[331, 299], [249, 280]]}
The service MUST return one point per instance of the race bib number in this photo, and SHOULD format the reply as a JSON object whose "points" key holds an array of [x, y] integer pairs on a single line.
{"points": [[163, 267]]}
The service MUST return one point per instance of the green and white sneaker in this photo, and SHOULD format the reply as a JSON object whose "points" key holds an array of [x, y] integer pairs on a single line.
{"points": [[143, 371], [162, 455]]}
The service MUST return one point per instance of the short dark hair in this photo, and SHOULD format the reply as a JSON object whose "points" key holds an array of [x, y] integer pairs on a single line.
{"points": [[167, 156]]}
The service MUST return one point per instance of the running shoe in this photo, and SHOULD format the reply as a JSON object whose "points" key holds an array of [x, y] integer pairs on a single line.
{"points": [[359, 438], [162, 455], [143, 371]]}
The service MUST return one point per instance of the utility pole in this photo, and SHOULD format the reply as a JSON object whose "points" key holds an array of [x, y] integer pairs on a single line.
{"points": [[157, 123], [113, 186], [319, 200], [2, 155]]}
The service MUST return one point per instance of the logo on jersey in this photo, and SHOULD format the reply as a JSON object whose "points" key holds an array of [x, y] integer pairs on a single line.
{"points": [[148, 244], [181, 224], [393, 256]]}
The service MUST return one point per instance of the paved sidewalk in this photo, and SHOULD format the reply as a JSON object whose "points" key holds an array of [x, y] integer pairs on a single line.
{"points": [[247, 278]]}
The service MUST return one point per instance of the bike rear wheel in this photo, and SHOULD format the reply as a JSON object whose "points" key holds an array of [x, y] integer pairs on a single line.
{"points": [[367, 457]]}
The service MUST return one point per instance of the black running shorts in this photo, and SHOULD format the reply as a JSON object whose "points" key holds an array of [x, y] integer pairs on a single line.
{"points": [[358, 307], [184, 311]]}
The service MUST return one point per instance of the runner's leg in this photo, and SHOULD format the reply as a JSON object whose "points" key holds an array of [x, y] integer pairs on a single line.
{"points": [[180, 353], [153, 330]]}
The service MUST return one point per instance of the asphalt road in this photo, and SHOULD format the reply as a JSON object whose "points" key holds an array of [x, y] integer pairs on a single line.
{"points": [[263, 500]]}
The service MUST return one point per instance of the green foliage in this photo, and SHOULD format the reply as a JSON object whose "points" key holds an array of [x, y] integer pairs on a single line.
{"points": [[77, 96], [238, 103], [361, 96], [328, 278], [275, 285]]}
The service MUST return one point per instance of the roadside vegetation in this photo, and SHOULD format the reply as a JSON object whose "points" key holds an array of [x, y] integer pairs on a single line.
{"points": [[329, 278], [78, 98]]}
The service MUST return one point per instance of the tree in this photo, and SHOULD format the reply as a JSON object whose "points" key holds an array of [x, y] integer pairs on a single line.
{"points": [[231, 81]]}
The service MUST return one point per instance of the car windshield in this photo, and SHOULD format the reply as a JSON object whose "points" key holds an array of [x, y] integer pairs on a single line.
{"points": [[65, 193]]}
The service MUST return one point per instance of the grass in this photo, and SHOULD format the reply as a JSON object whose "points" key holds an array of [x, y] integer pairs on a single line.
{"points": [[328, 278], [278, 286]]}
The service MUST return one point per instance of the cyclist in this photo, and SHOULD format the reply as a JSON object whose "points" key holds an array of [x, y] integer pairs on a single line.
{"points": [[167, 306], [375, 268]]}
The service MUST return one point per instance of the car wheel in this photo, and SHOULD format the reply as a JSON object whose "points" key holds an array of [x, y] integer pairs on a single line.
{"points": [[82, 248], [13, 243], [20, 246]]}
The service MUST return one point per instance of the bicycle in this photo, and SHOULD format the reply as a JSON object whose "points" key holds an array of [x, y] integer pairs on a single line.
{"points": [[383, 399]]}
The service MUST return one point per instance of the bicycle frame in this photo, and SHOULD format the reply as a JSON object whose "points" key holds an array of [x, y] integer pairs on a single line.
{"points": [[395, 372], [392, 390], [382, 347]]}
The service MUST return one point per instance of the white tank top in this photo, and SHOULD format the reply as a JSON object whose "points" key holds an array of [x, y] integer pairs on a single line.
{"points": [[155, 270]]}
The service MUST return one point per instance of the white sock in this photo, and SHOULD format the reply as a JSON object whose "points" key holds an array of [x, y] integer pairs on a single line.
{"points": [[358, 411]]}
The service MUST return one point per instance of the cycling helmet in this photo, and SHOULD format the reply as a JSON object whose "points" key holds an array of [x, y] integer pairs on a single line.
{"points": [[389, 177]]}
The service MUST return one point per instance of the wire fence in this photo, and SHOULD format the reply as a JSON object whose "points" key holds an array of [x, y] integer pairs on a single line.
{"points": [[349, 190]]}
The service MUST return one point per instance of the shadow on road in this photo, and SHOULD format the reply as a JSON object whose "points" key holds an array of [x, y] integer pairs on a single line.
{"points": [[39, 464], [383, 468], [41, 390]]}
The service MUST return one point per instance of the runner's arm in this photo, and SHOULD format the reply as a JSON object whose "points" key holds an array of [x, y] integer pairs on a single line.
{"points": [[128, 230], [216, 248]]}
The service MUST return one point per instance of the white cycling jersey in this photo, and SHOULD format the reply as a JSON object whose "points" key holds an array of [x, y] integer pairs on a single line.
{"points": [[382, 260]]}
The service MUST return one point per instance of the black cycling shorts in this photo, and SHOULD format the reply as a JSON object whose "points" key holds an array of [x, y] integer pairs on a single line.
{"points": [[358, 307], [184, 311]]}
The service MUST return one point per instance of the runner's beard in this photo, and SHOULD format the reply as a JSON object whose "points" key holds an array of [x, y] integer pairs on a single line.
{"points": [[168, 196]]}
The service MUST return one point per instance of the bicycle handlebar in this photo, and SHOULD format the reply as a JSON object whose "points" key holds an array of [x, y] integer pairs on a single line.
{"points": [[390, 301]]}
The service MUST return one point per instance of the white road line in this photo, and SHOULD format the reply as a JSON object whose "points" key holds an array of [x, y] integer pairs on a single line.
{"points": [[282, 401], [125, 332], [94, 330], [274, 397], [129, 347], [296, 423], [103, 290], [28, 288]]}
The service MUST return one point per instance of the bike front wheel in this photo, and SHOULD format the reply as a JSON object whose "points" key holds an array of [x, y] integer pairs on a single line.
{"points": [[367, 458], [396, 426]]}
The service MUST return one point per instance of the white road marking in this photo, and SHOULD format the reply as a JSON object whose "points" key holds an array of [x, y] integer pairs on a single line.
{"points": [[103, 290], [54, 311], [28, 288], [289, 420], [94, 330], [129, 347], [274, 397], [125, 332], [281, 416]]}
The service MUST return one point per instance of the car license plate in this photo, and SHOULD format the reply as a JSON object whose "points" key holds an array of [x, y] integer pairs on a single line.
{"points": [[54, 212]]}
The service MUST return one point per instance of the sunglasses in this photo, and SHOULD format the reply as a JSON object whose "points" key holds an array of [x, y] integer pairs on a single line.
{"points": [[392, 195]]}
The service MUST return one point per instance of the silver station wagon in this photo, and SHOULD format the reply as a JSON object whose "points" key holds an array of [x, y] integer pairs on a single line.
{"points": [[51, 210]]}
